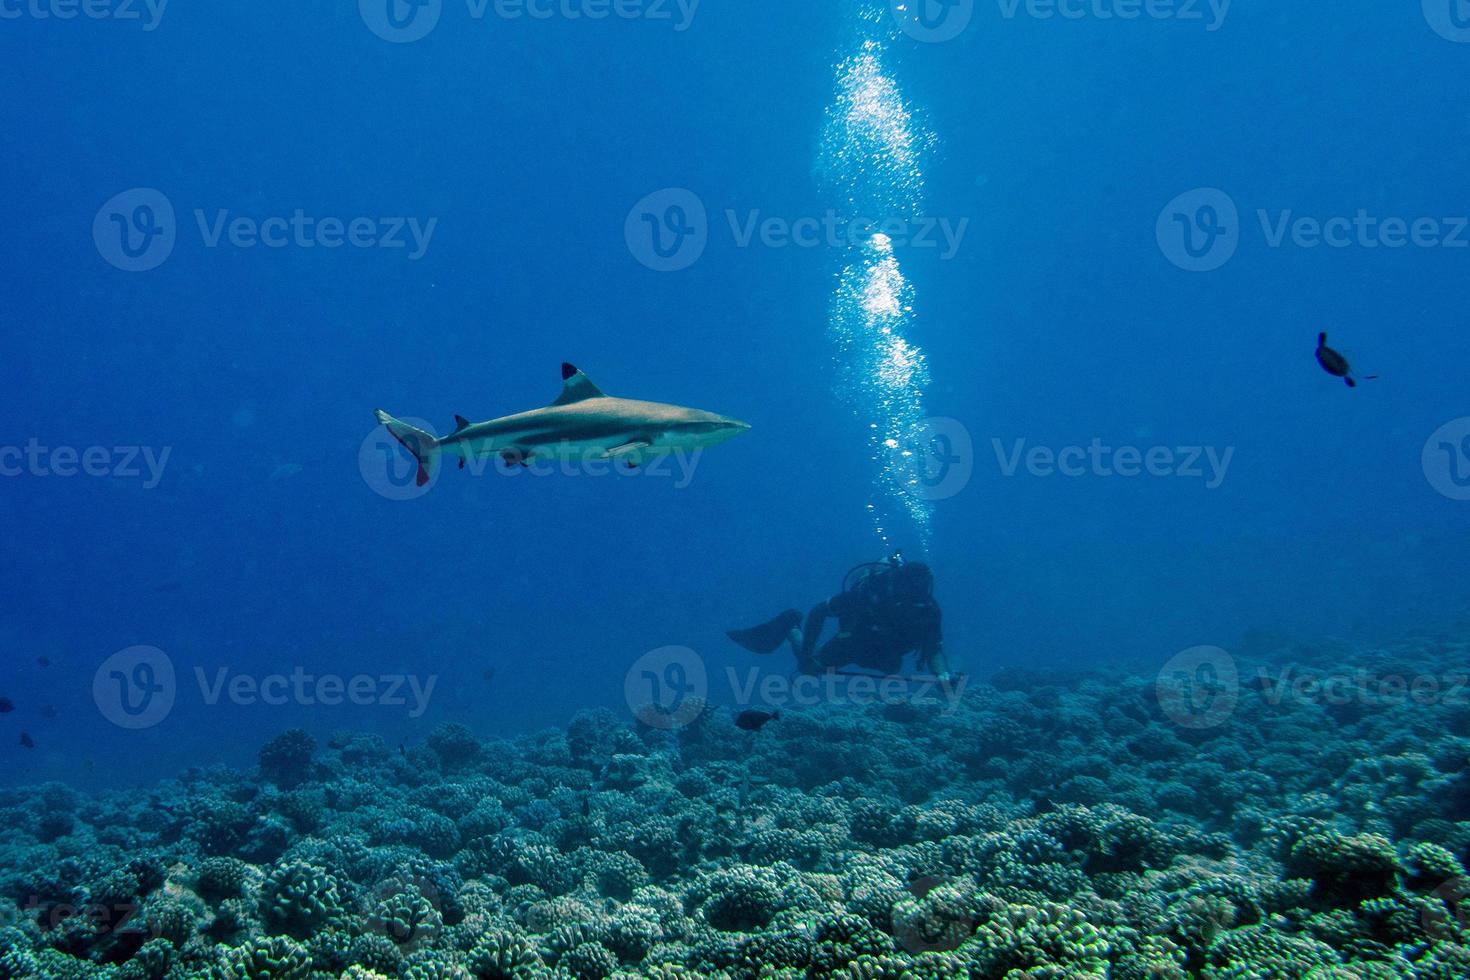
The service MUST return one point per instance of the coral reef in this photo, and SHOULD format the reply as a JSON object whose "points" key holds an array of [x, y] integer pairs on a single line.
{"points": [[1039, 826]]}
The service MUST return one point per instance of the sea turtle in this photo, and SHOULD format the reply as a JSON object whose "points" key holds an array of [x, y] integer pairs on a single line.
{"points": [[1335, 364]]}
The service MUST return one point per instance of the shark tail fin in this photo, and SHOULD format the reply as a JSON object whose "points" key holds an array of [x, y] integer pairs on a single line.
{"points": [[423, 446]]}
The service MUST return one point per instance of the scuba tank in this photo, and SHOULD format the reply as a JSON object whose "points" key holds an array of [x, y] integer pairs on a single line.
{"points": [[860, 576]]}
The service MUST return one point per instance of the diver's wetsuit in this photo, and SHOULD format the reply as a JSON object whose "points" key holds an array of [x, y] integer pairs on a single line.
{"points": [[879, 620]]}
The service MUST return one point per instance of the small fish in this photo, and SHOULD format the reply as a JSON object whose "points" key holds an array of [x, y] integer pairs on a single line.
{"points": [[6, 706], [43, 661], [488, 674], [1335, 364], [169, 587], [753, 719], [26, 742], [48, 711]]}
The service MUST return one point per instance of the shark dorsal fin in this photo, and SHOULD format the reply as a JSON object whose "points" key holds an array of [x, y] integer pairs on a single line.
{"points": [[576, 387], [461, 423]]}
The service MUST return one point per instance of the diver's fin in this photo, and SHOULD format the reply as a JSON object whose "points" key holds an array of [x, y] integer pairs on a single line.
{"points": [[461, 423], [423, 446], [576, 387], [767, 637]]}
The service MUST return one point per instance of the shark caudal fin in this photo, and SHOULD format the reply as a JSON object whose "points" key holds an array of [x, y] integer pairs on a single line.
{"points": [[423, 446]]}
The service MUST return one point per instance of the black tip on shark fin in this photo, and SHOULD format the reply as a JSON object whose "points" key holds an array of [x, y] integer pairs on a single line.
{"points": [[576, 386], [1322, 340], [461, 423]]}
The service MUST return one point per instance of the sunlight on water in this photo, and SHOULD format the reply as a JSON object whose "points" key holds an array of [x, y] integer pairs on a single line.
{"points": [[870, 158]]}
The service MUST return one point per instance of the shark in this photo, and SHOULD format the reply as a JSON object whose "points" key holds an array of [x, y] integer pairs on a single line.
{"points": [[581, 424]]}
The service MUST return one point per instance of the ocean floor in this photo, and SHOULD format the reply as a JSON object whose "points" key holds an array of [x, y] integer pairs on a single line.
{"points": [[1298, 810]]}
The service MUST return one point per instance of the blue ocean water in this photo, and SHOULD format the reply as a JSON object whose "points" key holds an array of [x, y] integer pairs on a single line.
{"points": [[237, 522]]}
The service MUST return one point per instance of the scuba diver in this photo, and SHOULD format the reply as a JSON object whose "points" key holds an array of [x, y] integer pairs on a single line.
{"points": [[885, 610]]}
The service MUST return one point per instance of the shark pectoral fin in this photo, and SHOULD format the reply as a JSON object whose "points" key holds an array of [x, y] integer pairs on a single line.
{"points": [[629, 450], [515, 456]]}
